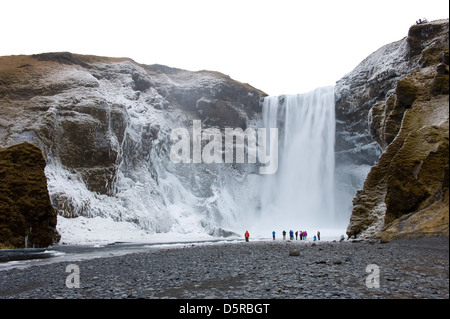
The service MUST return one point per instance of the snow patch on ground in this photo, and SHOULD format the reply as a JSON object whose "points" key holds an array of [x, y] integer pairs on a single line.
{"points": [[104, 230]]}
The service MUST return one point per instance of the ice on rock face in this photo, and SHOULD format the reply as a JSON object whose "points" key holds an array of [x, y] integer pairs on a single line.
{"points": [[135, 114]]}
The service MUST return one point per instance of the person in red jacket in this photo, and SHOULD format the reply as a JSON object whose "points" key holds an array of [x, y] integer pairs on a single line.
{"points": [[247, 235]]}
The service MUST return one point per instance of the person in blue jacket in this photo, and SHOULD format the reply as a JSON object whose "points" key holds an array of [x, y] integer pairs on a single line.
{"points": [[273, 235]]}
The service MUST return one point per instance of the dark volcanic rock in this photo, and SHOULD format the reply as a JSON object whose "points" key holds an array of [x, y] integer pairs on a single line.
{"points": [[414, 268], [27, 218]]}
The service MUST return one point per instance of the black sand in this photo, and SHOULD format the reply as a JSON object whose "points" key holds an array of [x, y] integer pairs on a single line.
{"points": [[413, 268]]}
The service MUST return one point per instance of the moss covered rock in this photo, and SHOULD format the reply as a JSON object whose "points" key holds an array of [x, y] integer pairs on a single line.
{"points": [[27, 218], [406, 193]]}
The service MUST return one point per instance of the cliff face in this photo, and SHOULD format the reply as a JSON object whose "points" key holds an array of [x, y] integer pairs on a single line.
{"points": [[406, 193], [104, 125], [27, 217], [372, 81]]}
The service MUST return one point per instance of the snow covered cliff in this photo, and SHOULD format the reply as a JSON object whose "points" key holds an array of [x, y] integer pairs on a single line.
{"points": [[104, 126]]}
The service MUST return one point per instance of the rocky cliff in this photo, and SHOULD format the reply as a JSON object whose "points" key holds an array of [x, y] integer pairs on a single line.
{"points": [[103, 125], [27, 217], [401, 92]]}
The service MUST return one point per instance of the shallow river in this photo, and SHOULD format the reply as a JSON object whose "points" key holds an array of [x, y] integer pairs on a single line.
{"points": [[27, 257]]}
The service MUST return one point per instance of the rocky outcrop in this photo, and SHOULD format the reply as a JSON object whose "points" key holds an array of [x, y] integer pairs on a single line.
{"points": [[27, 217], [103, 125], [212, 97], [406, 193]]}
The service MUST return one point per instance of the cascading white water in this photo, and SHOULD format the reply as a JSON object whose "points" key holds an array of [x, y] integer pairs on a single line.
{"points": [[300, 195]]}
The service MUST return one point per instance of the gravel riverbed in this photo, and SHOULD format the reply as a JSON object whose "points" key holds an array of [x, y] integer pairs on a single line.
{"points": [[409, 268]]}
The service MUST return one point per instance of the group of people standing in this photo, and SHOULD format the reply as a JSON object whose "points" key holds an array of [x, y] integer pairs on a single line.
{"points": [[298, 234], [303, 235]]}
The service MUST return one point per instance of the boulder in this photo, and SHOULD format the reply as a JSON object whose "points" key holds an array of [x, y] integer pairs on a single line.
{"points": [[27, 217], [294, 253]]}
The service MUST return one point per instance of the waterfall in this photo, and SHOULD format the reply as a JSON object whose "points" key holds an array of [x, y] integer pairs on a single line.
{"points": [[300, 196]]}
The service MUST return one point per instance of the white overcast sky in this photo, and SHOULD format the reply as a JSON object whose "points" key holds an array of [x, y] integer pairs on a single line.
{"points": [[278, 46]]}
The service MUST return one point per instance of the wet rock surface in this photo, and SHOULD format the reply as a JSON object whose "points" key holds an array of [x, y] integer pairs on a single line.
{"points": [[414, 268]]}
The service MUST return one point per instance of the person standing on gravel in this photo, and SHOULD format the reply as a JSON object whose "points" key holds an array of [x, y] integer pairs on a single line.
{"points": [[247, 235], [318, 235], [273, 235], [284, 235]]}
